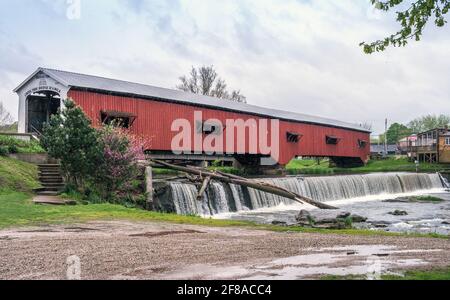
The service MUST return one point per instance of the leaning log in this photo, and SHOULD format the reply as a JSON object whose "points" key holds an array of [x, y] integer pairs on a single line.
{"points": [[233, 179], [203, 188]]}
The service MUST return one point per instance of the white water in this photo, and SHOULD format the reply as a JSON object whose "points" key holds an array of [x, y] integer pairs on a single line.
{"points": [[222, 198]]}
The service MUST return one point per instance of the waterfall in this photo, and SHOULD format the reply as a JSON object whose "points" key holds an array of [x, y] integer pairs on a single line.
{"points": [[444, 181], [222, 198]]}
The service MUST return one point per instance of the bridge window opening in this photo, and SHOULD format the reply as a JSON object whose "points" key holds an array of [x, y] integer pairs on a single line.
{"points": [[209, 128], [293, 137], [332, 140], [40, 108], [118, 119], [362, 144], [447, 141]]}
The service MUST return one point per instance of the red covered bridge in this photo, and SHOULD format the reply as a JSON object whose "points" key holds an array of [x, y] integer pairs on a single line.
{"points": [[150, 112]]}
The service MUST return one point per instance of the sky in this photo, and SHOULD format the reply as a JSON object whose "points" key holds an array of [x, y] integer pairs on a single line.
{"points": [[294, 55]]}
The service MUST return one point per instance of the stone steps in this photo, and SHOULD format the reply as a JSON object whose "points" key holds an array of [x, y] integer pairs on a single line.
{"points": [[50, 179]]}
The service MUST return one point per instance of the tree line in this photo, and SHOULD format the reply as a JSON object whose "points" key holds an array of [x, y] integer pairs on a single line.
{"points": [[398, 131]]}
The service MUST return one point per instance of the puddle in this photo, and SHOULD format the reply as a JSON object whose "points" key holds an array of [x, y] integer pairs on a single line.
{"points": [[163, 233], [369, 260]]}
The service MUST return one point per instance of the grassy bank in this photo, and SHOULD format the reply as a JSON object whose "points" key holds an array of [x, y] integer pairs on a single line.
{"points": [[388, 165], [436, 274], [17, 176], [16, 209], [12, 145]]}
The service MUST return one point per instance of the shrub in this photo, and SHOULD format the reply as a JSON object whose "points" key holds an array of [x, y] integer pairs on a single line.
{"points": [[119, 167], [98, 163], [69, 137], [13, 149], [4, 151]]}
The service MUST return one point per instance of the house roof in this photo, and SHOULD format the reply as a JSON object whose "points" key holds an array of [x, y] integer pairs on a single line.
{"points": [[97, 83]]}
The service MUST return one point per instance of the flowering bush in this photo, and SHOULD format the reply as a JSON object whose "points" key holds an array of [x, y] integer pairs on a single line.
{"points": [[121, 154]]}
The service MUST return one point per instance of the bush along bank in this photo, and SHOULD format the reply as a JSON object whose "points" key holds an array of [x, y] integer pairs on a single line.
{"points": [[10, 145], [99, 164]]}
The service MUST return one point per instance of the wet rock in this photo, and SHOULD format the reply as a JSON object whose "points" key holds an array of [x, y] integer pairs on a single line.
{"points": [[380, 225], [382, 254], [279, 223], [398, 200], [304, 215], [399, 213], [343, 215], [328, 221], [358, 219], [304, 218]]}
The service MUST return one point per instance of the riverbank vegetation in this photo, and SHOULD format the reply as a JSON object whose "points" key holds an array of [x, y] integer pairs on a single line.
{"points": [[322, 167], [435, 274], [10, 145], [392, 164]]}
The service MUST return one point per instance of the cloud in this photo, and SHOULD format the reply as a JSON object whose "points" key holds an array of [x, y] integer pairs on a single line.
{"points": [[295, 55]]}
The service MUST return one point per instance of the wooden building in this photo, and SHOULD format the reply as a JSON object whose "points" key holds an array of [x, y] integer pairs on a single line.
{"points": [[432, 146]]}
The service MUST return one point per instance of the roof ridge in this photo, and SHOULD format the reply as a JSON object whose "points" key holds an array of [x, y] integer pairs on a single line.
{"points": [[127, 81]]}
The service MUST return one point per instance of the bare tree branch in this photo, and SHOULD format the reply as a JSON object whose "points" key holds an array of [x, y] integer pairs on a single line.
{"points": [[205, 81]]}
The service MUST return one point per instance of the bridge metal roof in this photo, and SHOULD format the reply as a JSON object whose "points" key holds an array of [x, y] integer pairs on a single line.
{"points": [[97, 83]]}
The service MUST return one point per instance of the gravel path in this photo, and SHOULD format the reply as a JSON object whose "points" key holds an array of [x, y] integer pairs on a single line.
{"points": [[126, 250]]}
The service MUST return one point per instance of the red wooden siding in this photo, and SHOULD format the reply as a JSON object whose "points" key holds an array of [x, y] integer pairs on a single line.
{"points": [[154, 121]]}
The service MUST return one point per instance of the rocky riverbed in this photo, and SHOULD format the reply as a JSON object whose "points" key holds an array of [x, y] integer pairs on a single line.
{"points": [[418, 214]]}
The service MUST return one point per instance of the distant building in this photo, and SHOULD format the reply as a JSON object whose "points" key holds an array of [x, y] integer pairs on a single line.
{"points": [[405, 144], [432, 146], [379, 150]]}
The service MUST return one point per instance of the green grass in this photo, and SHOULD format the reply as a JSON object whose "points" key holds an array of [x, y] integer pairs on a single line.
{"points": [[20, 146], [388, 165], [427, 199], [309, 166], [17, 175], [435, 274]]}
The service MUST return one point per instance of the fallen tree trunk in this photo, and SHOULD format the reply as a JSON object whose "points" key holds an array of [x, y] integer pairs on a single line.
{"points": [[203, 188], [233, 179]]}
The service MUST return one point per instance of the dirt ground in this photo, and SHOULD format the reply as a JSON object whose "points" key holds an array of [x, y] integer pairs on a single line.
{"points": [[129, 250]]}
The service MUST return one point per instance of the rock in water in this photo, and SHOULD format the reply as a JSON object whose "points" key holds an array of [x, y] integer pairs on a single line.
{"points": [[343, 215], [399, 213], [279, 223], [304, 215], [358, 219], [304, 218]]}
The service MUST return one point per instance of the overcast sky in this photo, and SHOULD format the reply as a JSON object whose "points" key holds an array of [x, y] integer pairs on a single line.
{"points": [[296, 55]]}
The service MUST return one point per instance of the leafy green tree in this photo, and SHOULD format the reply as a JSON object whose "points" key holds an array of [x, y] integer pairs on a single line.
{"points": [[412, 20], [396, 132], [428, 122], [70, 138]]}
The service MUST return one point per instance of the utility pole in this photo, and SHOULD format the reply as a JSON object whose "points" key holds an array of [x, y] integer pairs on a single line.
{"points": [[385, 137]]}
